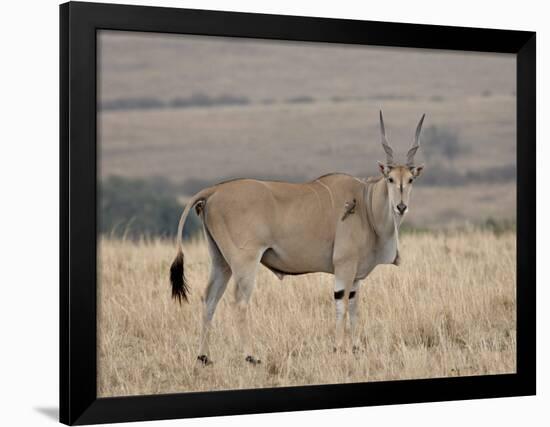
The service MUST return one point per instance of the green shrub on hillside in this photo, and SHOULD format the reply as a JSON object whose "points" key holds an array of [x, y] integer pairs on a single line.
{"points": [[135, 207]]}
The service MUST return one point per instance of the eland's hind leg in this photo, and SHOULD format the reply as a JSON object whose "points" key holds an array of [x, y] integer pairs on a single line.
{"points": [[220, 273], [245, 281]]}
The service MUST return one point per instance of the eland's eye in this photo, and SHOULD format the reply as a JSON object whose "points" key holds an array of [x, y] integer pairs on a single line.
{"points": [[411, 180], [390, 180]]}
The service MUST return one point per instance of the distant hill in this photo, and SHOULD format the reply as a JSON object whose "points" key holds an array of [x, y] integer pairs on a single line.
{"points": [[163, 66]]}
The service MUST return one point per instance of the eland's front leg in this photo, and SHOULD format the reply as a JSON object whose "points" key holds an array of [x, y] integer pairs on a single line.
{"points": [[353, 315], [343, 283]]}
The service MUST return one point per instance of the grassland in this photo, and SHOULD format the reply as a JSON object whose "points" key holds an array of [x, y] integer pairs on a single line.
{"points": [[448, 310]]}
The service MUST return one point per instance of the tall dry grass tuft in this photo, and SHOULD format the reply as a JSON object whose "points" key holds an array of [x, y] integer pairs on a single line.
{"points": [[449, 309]]}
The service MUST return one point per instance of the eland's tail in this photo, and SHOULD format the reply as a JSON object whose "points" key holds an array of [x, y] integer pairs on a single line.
{"points": [[180, 285]]}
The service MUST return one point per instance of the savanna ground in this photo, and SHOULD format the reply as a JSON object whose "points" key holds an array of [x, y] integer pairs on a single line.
{"points": [[448, 310]]}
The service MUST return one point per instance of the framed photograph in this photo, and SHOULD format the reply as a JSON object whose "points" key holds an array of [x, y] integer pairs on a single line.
{"points": [[239, 229]]}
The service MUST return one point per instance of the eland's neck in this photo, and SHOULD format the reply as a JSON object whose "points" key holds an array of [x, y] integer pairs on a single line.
{"points": [[386, 223]]}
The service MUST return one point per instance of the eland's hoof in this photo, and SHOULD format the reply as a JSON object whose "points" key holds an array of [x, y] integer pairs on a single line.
{"points": [[203, 358], [252, 360]]}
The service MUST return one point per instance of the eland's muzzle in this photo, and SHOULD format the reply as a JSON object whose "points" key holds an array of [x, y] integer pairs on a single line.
{"points": [[402, 208]]}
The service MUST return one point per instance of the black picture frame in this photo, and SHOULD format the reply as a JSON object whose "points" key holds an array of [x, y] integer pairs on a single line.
{"points": [[79, 23]]}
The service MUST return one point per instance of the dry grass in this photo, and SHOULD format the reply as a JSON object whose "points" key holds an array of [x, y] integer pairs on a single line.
{"points": [[448, 310]]}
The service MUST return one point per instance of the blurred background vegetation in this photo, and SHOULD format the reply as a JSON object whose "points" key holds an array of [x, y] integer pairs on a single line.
{"points": [[135, 208]]}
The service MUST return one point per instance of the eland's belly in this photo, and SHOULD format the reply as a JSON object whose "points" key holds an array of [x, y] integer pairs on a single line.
{"points": [[298, 259]]}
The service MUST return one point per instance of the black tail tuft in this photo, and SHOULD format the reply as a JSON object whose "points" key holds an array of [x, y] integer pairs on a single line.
{"points": [[180, 288]]}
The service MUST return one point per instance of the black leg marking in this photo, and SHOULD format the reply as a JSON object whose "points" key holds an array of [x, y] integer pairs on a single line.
{"points": [[203, 358], [253, 360], [339, 294], [351, 294]]}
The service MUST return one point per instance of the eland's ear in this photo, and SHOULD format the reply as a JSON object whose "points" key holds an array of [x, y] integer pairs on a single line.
{"points": [[385, 169], [417, 170]]}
